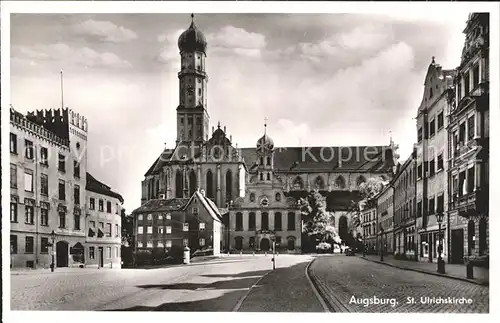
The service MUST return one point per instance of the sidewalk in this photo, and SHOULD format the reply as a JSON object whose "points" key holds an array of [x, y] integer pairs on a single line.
{"points": [[454, 271]]}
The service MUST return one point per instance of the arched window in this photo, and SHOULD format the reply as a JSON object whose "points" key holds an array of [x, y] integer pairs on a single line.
{"points": [[179, 184], [252, 197], [291, 221], [251, 221], [239, 222], [340, 182], [361, 180], [238, 243], [482, 237], [261, 176], [470, 234], [268, 159], [277, 221], [290, 243], [319, 183], [262, 160], [210, 184], [298, 183], [229, 185], [265, 221], [192, 182], [278, 197], [268, 176]]}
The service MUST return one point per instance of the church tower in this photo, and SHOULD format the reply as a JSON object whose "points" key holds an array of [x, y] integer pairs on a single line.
{"points": [[265, 152], [192, 115]]}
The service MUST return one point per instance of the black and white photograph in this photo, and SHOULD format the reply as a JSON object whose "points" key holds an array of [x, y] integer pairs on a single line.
{"points": [[262, 157]]}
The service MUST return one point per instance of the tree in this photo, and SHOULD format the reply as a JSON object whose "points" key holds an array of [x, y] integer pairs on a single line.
{"points": [[368, 191], [317, 221], [127, 229]]}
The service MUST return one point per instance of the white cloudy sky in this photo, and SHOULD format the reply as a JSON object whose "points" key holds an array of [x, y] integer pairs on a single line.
{"points": [[320, 79]]}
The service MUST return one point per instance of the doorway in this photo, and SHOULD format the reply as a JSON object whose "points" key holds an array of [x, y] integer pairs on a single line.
{"points": [[264, 244], [100, 255], [457, 246], [62, 254]]}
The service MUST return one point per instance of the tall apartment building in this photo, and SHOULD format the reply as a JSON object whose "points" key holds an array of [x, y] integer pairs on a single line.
{"points": [[431, 154], [468, 131], [404, 183], [385, 223], [48, 180]]}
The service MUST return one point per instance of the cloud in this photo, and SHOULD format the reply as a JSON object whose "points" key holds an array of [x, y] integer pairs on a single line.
{"points": [[104, 31], [65, 55], [169, 53], [230, 40]]}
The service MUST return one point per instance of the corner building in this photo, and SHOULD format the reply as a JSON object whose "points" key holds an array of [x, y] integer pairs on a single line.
{"points": [[468, 129], [48, 189], [258, 186]]}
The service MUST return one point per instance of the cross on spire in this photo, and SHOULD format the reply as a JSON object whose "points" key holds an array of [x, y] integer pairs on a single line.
{"points": [[265, 125], [433, 60], [218, 124], [192, 17]]}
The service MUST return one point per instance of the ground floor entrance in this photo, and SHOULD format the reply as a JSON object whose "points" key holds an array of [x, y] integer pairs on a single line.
{"points": [[457, 246], [62, 254]]}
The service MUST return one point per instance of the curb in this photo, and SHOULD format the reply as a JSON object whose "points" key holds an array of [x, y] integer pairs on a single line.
{"points": [[315, 288], [242, 299], [333, 304], [430, 272]]}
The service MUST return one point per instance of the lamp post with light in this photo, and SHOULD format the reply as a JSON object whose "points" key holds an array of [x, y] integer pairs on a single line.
{"points": [[381, 244], [53, 237], [440, 261]]}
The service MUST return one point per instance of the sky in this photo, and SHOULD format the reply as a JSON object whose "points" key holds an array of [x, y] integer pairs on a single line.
{"points": [[319, 79]]}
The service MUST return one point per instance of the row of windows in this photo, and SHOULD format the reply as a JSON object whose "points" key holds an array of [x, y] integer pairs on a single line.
{"points": [[431, 126], [470, 82], [44, 184], [251, 242], [370, 216], [101, 206], [277, 197], [29, 244], [265, 221], [149, 217], [465, 128], [319, 182], [167, 229], [370, 229], [29, 215], [44, 155], [108, 230], [464, 182], [167, 243], [433, 166]]}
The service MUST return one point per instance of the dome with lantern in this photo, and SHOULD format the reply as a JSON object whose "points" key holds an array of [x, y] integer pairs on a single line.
{"points": [[192, 39]]}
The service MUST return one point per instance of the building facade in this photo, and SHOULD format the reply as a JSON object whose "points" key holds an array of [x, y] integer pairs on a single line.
{"points": [[166, 226], [468, 129], [404, 183], [48, 186], [369, 227], [260, 186], [431, 154], [385, 222], [103, 222]]}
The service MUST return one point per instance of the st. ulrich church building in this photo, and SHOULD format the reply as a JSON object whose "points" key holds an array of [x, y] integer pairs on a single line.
{"points": [[255, 189]]}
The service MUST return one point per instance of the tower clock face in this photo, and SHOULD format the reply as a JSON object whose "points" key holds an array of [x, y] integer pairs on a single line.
{"points": [[190, 90]]}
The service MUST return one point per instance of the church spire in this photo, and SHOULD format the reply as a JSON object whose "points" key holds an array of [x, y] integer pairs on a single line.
{"points": [[265, 125]]}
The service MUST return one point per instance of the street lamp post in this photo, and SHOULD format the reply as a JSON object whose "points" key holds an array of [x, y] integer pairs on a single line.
{"points": [[274, 253], [364, 245], [440, 261], [53, 236], [381, 244]]}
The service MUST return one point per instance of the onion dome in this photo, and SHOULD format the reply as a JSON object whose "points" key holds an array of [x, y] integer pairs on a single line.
{"points": [[265, 143], [192, 40]]}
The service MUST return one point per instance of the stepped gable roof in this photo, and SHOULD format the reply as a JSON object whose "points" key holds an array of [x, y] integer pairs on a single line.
{"points": [[158, 205], [95, 186], [310, 159]]}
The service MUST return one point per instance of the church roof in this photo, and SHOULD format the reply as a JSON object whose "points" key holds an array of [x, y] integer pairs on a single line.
{"points": [[311, 159], [192, 39], [158, 205]]}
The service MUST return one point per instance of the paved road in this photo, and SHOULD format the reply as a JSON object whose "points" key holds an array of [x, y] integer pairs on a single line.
{"points": [[216, 286], [342, 278]]}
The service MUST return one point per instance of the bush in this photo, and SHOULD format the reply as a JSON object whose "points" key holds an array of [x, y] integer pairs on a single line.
{"points": [[323, 247]]}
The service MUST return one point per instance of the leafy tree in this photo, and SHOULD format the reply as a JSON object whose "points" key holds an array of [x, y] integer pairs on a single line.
{"points": [[127, 229], [317, 221], [368, 191]]}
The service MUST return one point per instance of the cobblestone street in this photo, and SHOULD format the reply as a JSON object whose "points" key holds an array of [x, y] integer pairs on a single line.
{"points": [[211, 286], [340, 278]]}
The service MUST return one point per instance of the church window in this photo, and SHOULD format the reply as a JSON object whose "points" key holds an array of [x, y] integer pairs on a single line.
{"points": [[265, 221], [262, 160], [210, 184], [239, 222], [268, 160], [319, 183], [252, 197], [251, 221], [229, 182], [277, 221], [261, 176], [298, 183], [192, 182], [199, 91], [340, 182], [178, 184], [268, 176], [291, 222], [278, 197]]}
